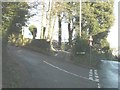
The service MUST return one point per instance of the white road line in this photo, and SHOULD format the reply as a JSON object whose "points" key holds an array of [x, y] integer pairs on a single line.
{"points": [[67, 71], [99, 85], [56, 54], [94, 75], [97, 78], [91, 74], [91, 78]]}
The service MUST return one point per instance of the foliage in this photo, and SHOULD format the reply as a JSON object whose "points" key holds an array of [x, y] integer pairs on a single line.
{"points": [[99, 36], [80, 45], [33, 30], [40, 45], [31, 27], [97, 18], [18, 40], [72, 18], [14, 16], [58, 10], [105, 45], [66, 11]]}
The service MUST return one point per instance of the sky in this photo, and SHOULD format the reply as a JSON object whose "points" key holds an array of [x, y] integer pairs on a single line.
{"points": [[112, 37]]}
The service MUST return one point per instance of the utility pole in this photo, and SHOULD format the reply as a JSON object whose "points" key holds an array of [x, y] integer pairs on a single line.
{"points": [[80, 16]]}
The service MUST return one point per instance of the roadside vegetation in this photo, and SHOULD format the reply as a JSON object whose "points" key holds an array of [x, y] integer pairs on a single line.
{"points": [[96, 20]]}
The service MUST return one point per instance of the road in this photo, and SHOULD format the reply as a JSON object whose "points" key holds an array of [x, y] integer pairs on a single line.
{"points": [[109, 74], [48, 72], [43, 71]]}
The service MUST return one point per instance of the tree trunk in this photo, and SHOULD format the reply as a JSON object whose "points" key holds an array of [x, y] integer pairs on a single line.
{"points": [[44, 29], [51, 39], [52, 28], [70, 31], [59, 32], [42, 20], [50, 19]]}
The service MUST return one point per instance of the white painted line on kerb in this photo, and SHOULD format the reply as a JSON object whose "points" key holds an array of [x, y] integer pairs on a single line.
{"points": [[91, 74], [67, 71], [97, 78], [99, 85], [94, 75]]}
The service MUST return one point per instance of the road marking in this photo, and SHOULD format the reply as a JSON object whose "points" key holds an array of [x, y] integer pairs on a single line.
{"points": [[56, 54], [68, 71], [99, 85], [93, 75], [97, 78]]}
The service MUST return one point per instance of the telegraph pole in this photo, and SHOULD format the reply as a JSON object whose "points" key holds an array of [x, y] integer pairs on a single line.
{"points": [[80, 16]]}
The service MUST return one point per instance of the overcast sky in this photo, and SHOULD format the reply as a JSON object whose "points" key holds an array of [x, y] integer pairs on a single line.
{"points": [[113, 35]]}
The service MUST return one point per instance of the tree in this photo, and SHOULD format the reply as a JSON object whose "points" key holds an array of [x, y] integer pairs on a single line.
{"points": [[65, 10], [33, 30], [14, 16], [59, 31], [48, 18], [80, 45], [42, 19], [50, 14], [104, 45], [72, 9], [58, 10], [97, 18]]}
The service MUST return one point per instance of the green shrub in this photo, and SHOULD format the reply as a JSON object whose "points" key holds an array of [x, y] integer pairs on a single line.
{"points": [[80, 45], [41, 44], [18, 40]]}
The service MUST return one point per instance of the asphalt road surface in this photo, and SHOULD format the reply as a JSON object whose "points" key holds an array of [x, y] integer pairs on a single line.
{"points": [[109, 74], [48, 72]]}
